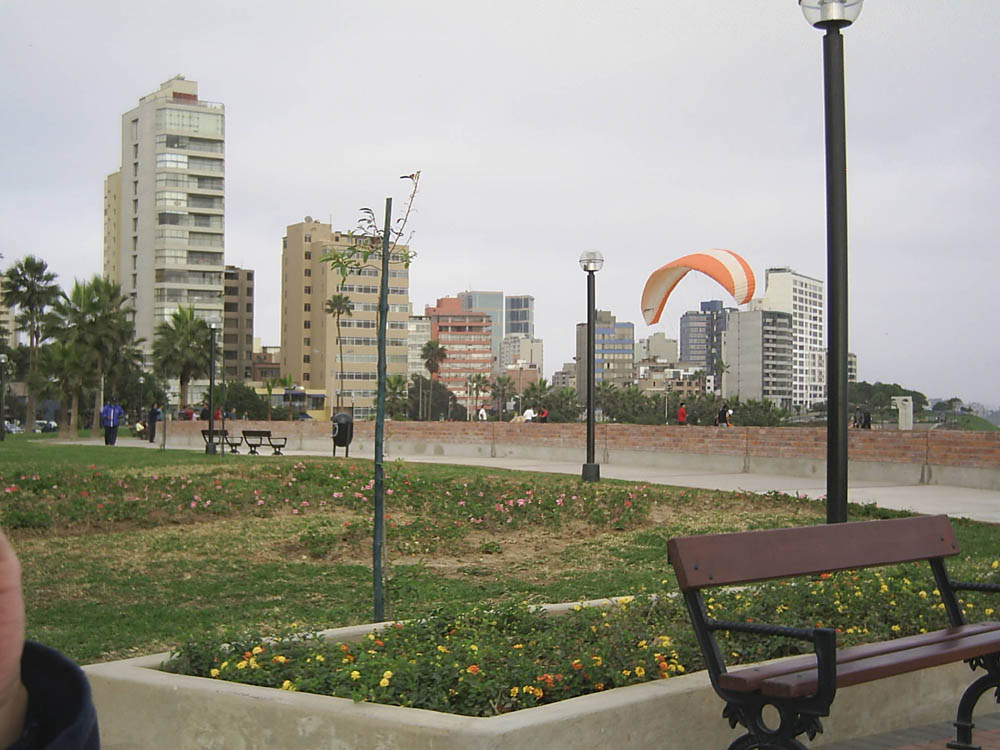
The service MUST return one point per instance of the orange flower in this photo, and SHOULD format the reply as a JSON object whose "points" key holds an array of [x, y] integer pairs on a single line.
{"points": [[473, 669]]}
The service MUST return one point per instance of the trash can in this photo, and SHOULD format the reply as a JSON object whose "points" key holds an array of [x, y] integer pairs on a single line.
{"points": [[343, 431]]}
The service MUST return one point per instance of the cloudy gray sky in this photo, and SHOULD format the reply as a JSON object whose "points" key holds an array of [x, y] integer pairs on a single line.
{"points": [[644, 129]]}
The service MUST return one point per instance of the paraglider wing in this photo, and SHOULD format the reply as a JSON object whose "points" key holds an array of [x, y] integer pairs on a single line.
{"points": [[725, 266]]}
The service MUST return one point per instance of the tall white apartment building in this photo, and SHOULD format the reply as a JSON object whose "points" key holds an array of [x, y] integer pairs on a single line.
{"points": [[803, 297], [163, 209]]}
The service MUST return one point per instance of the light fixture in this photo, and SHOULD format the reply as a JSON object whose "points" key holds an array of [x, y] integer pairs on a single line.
{"points": [[822, 13]]}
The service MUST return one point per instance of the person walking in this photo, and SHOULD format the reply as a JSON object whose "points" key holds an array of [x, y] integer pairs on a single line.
{"points": [[482, 413], [723, 419], [111, 417], [682, 414], [154, 414]]}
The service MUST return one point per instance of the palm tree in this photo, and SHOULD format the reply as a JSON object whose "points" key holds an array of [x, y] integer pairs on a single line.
{"points": [[31, 287], [397, 387], [477, 384], [270, 384], [433, 354], [536, 395], [94, 315], [501, 388], [337, 306], [182, 348], [606, 398], [719, 368], [73, 367]]}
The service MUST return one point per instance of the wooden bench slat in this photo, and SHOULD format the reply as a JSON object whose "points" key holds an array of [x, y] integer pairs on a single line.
{"points": [[800, 684], [727, 559], [751, 678]]}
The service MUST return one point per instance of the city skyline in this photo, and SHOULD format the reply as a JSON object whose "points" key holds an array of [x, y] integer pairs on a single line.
{"points": [[646, 132]]}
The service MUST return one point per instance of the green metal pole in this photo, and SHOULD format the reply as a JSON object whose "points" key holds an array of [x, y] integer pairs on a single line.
{"points": [[383, 315]]}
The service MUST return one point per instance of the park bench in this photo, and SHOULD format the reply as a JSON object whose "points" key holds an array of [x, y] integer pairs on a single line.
{"points": [[234, 442], [218, 436], [255, 439], [801, 688]]}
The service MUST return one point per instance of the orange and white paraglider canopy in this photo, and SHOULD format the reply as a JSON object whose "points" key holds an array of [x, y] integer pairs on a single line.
{"points": [[725, 266]]}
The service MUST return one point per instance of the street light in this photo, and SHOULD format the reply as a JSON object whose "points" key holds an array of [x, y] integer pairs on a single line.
{"points": [[3, 418], [831, 16], [591, 262], [213, 325], [138, 403]]}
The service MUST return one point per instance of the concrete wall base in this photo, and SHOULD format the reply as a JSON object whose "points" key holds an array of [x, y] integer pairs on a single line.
{"points": [[141, 707]]}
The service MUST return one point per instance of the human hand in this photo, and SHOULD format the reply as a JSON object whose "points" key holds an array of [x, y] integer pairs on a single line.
{"points": [[13, 695]]}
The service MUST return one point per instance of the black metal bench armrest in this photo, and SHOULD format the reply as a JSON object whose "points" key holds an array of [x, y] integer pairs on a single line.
{"points": [[970, 586]]}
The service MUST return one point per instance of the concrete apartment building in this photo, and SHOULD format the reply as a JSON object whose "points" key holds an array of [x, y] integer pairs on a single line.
{"points": [[701, 334], [418, 333], [467, 337], [519, 348], [614, 351], [310, 347], [802, 297], [565, 377], [491, 303], [519, 315], [237, 324], [757, 348], [163, 209]]}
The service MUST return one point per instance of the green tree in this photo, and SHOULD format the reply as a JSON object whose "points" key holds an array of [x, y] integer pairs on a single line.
{"points": [[433, 354], [339, 305], [476, 385], [396, 387], [536, 394], [564, 405], [243, 398], [606, 398], [758, 414], [73, 368], [502, 388], [182, 348], [30, 286]]}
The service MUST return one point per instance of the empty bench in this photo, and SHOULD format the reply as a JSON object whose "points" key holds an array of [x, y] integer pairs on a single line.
{"points": [[216, 436], [802, 688], [256, 438]]}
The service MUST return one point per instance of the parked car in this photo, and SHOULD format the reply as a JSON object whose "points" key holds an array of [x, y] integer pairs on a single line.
{"points": [[13, 428]]}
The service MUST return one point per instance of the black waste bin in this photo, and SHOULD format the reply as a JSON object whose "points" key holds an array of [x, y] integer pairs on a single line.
{"points": [[343, 431]]}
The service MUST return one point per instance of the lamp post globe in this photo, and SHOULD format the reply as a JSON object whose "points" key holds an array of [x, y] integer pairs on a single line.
{"points": [[591, 261], [822, 13]]}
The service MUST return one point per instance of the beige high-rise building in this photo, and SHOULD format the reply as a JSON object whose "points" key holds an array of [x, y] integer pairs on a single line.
{"points": [[310, 348], [163, 209]]}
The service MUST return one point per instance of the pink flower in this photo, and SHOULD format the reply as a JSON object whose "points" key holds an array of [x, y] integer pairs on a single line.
{"points": [[260, 502], [338, 494], [559, 501], [194, 504], [305, 503], [295, 511], [388, 492]]}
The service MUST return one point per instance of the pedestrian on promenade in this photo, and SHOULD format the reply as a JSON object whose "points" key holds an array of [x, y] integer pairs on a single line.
{"points": [[543, 415], [482, 413], [111, 417], [723, 419], [682, 414], [154, 414]]}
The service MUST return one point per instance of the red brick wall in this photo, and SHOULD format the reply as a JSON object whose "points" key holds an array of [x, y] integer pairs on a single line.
{"points": [[936, 447]]}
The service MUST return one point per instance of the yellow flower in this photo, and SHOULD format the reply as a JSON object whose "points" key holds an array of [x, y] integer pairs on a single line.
{"points": [[642, 644], [443, 649], [287, 685], [241, 665], [320, 657], [598, 661], [640, 671], [473, 647], [995, 565], [514, 691], [355, 675], [214, 672], [989, 610], [518, 645], [896, 628], [627, 672], [387, 675], [383, 682], [257, 650], [253, 663], [923, 594], [279, 659], [224, 665]]}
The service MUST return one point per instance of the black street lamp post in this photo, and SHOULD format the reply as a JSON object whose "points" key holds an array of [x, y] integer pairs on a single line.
{"points": [[3, 417], [138, 402], [210, 445], [831, 16], [591, 262]]}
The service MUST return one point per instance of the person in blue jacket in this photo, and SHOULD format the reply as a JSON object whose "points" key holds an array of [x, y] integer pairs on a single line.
{"points": [[45, 700], [111, 416]]}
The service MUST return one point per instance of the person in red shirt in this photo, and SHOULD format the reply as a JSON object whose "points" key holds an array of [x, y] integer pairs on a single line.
{"points": [[682, 414]]}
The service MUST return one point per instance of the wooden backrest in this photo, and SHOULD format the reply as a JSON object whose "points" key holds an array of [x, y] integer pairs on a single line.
{"points": [[726, 559], [257, 433]]}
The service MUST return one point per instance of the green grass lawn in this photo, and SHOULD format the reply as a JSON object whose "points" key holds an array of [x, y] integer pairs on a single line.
{"points": [[129, 551]]}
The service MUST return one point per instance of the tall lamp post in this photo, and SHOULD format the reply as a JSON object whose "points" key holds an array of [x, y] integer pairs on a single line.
{"points": [[591, 262], [138, 402], [3, 417], [831, 16], [210, 446]]}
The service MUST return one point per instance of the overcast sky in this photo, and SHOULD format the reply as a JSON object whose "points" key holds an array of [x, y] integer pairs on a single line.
{"points": [[646, 130]]}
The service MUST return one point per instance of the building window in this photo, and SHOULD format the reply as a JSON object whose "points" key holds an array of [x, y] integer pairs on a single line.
{"points": [[307, 307], [305, 358], [308, 238], [305, 377], [307, 342], [307, 290], [309, 255], [249, 307], [309, 272], [307, 324]]}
